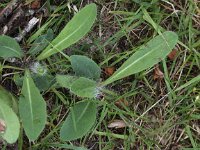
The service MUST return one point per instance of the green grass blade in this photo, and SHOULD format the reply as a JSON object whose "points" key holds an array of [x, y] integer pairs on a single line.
{"points": [[194, 80], [189, 133]]}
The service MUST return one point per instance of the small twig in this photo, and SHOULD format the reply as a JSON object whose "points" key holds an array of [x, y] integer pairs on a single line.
{"points": [[31, 24], [9, 74]]}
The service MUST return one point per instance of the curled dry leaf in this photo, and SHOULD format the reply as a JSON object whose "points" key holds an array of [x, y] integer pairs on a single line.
{"points": [[172, 54], [158, 74], [36, 4], [2, 126], [109, 70], [117, 124], [121, 103]]}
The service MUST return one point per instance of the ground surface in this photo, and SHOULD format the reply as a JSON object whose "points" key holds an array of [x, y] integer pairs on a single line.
{"points": [[147, 111]]}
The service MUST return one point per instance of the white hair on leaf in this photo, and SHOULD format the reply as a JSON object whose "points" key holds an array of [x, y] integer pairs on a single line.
{"points": [[39, 69]]}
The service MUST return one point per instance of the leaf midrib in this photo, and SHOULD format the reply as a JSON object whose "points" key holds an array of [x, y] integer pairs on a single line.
{"points": [[18, 53], [83, 112], [134, 62], [30, 101], [54, 46]]}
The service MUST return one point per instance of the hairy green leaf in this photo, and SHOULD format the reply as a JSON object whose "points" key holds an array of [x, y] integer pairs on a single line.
{"points": [[85, 67], [41, 42], [79, 26], [9, 48], [32, 108], [10, 121], [65, 80], [147, 56], [84, 87], [8, 99], [80, 120], [43, 82]]}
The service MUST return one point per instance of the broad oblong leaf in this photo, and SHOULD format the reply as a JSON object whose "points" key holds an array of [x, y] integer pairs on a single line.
{"points": [[79, 26], [7, 98], [43, 82], [147, 56], [85, 67], [9, 48], [32, 108], [11, 122], [80, 120], [65, 81], [84, 87]]}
